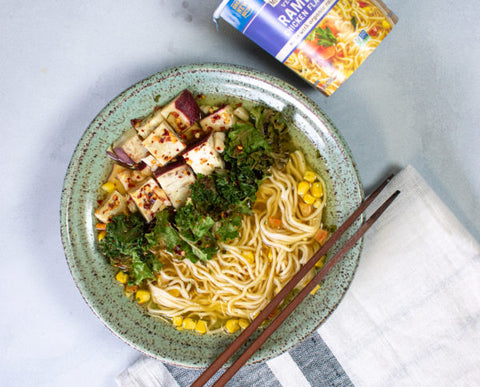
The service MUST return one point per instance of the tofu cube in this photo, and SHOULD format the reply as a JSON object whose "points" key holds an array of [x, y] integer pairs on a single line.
{"points": [[151, 162], [164, 144], [115, 204], [219, 141], [219, 121], [132, 207], [146, 126], [176, 181], [203, 158], [131, 179], [182, 112], [149, 199], [132, 145]]}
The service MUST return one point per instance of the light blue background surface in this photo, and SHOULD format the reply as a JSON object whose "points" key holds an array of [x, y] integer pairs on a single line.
{"points": [[416, 101]]}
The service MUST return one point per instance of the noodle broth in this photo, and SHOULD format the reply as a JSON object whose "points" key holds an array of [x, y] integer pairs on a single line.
{"points": [[225, 293]]}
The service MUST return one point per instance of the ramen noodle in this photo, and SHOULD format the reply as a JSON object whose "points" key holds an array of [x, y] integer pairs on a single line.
{"points": [[323, 41]]}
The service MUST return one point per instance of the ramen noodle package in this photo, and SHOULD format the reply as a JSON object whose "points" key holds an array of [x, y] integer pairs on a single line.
{"points": [[324, 41]]}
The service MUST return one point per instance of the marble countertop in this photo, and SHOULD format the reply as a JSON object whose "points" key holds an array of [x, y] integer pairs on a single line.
{"points": [[415, 101]]}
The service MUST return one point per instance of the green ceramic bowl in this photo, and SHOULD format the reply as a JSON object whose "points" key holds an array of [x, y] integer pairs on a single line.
{"points": [[89, 167]]}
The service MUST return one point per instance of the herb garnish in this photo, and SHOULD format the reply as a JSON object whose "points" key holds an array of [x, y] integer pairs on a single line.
{"points": [[323, 36]]}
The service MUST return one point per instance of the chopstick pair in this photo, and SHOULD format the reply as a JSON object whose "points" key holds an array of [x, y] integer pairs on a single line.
{"points": [[276, 301]]}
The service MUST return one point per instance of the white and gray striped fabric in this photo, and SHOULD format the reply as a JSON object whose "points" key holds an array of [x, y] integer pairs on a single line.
{"points": [[411, 316], [308, 364]]}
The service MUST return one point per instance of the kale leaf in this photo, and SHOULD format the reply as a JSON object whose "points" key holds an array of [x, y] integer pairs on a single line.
{"points": [[124, 237], [140, 270], [191, 224], [276, 133], [126, 245], [229, 228], [186, 235]]}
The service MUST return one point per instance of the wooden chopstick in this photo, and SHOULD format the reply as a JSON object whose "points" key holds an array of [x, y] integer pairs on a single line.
{"points": [[228, 374], [263, 315]]}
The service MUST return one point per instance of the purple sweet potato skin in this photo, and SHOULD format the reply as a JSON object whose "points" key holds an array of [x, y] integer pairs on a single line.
{"points": [[166, 168], [188, 106]]}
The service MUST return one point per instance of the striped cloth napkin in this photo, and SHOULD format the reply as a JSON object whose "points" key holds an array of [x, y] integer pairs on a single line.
{"points": [[411, 316]]}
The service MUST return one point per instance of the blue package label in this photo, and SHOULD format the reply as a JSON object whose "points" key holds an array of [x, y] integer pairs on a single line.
{"points": [[277, 26]]}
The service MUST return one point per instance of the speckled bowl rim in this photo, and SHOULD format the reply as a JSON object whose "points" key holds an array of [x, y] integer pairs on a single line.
{"points": [[269, 81]]}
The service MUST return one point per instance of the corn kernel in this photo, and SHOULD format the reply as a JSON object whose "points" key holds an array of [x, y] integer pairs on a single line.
{"points": [[232, 325], [309, 199], [317, 190], [270, 255], [108, 187], [101, 235], [321, 262], [315, 289], [179, 328], [119, 186], [122, 277], [174, 292], [303, 188], [386, 25], [188, 323], [243, 323], [201, 327], [248, 255], [310, 176], [317, 203], [177, 321], [142, 296]]}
